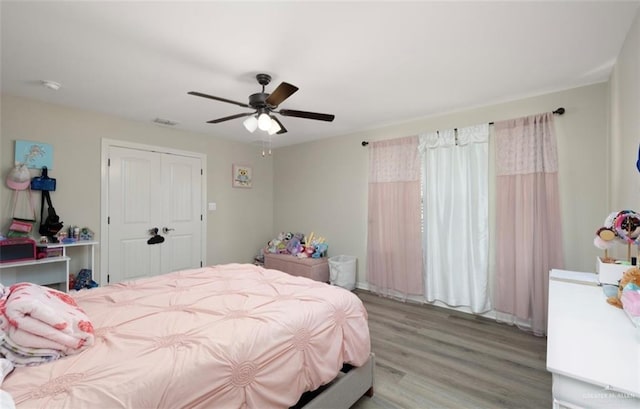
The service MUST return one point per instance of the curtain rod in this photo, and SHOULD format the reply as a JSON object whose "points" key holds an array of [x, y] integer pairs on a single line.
{"points": [[558, 111]]}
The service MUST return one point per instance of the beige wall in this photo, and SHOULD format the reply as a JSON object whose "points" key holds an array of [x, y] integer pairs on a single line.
{"points": [[322, 186], [625, 124], [236, 230]]}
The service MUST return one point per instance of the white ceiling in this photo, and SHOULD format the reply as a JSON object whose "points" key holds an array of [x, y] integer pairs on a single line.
{"points": [[369, 63]]}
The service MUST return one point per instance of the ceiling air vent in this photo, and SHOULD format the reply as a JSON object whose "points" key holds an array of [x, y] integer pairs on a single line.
{"points": [[165, 122]]}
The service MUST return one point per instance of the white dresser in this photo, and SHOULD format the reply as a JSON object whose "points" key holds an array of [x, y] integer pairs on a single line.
{"points": [[593, 348]]}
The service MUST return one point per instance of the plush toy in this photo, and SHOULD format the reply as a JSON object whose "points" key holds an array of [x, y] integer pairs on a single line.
{"points": [[309, 250], [321, 249], [272, 246], [298, 245], [630, 278], [294, 245]]}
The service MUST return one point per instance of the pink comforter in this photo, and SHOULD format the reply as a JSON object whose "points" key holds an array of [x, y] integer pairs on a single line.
{"points": [[233, 336]]}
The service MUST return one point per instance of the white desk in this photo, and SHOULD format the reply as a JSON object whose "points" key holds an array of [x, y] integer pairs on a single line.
{"points": [[593, 349], [46, 271], [52, 271]]}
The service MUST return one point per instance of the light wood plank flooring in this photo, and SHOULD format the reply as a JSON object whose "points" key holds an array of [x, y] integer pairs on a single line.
{"points": [[435, 358]]}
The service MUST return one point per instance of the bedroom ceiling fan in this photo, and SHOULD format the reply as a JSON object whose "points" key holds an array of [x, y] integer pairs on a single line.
{"points": [[264, 106]]}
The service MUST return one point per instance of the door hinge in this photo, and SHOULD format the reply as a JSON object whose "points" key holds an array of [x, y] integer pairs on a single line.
{"points": [[108, 278], [108, 219], [201, 172], [201, 218], [200, 263], [109, 162]]}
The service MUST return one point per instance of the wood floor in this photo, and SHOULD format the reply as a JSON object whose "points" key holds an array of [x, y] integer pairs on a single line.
{"points": [[432, 358]]}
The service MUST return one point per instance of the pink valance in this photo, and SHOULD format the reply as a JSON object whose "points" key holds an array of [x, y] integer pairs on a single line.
{"points": [[526, 145], [394, 160]]}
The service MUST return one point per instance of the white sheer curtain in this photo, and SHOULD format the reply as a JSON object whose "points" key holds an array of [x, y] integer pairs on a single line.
{"points": [[456, 216]]}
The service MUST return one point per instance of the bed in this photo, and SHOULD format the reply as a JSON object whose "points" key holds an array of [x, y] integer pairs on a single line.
{"points": [[229, 336]]}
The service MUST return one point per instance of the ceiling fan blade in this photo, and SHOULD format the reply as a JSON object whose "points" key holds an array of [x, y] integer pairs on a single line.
{"points": [[200, 94], [228, 118], [284, 91], [308, 115], [282, 128]]}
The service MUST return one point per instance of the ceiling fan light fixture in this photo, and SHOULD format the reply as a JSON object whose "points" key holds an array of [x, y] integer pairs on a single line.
{"points": [[275, 127], [251, 123], [264, 107], [264, 122]]}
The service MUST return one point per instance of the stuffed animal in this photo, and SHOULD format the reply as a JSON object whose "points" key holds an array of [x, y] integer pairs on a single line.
{"points": [[630, 277], [320, 250], [272, 246], [294, 245], [309, 250]]}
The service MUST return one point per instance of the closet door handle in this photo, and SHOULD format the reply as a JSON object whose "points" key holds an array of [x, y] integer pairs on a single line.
{"points": [[166, 230]]}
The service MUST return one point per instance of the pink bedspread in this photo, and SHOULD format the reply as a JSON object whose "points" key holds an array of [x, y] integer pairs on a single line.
{"points": [[233, 336]]}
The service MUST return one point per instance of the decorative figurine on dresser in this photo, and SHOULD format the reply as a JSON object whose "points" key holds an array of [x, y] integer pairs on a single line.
{"points": [[621, 227]]}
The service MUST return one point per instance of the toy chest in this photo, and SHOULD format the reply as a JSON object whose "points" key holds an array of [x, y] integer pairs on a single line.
{"points": [[313, 268]]}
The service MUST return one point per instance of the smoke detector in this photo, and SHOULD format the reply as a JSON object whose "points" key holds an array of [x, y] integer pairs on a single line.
{"points": [[51, 84]]}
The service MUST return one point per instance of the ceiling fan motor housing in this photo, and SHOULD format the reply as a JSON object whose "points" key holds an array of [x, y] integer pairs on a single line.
{"points": [[258, 100]]}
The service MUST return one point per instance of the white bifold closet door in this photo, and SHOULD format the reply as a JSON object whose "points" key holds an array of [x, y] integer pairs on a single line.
{"points": [[150, 190]]}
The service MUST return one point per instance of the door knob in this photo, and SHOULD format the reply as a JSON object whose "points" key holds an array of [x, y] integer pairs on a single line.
{"points": [[166, 230]]}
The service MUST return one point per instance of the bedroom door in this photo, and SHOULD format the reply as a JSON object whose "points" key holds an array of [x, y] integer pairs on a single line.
{"points": [[148, 190]]}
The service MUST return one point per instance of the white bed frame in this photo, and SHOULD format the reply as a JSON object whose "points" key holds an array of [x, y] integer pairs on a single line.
{"points": [[347, 388]]}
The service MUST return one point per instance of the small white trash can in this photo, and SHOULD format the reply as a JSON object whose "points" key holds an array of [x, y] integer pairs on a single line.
{"points": [[342, 271]]}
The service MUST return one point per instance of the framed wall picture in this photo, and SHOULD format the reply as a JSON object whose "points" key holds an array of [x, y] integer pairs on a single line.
{"points": [[34, 154], [241, 176]]}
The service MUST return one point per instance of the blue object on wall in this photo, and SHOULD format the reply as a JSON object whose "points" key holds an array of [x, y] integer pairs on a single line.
{"points": [[638, 162], [34, 154]]}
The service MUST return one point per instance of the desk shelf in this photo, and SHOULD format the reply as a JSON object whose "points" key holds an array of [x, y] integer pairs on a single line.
{"points": [[51, 271], [34, 262]]}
